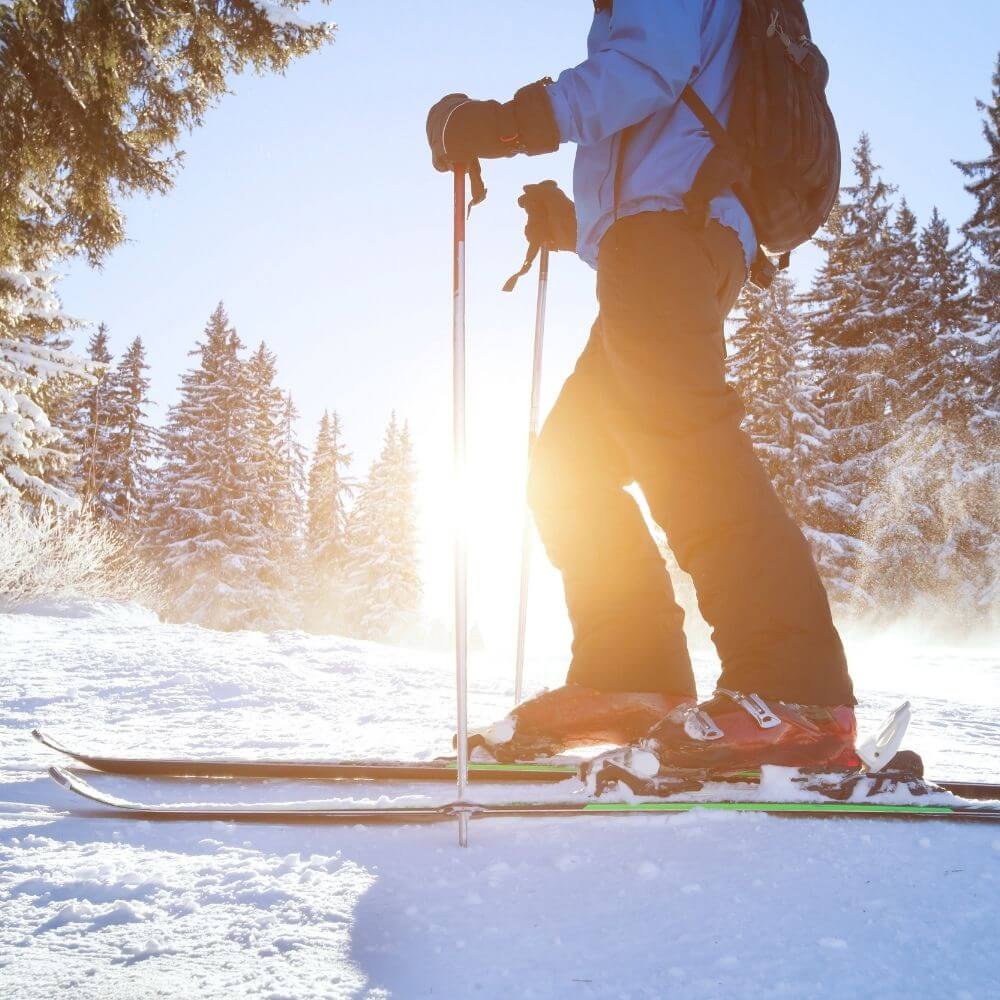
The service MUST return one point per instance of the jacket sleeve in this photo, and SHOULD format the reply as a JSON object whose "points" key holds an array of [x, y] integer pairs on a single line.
{"points": [[651, 52]]}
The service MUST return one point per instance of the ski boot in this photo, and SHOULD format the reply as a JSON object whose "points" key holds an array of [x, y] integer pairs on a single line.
{"points": [[878, 766], [734, 731], [729, 738], [574, 716]]}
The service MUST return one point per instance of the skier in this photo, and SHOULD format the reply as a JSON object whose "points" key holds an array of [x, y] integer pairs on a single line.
{"points": [[648, 403]]}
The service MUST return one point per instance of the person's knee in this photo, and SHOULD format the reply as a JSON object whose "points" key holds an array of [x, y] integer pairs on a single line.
{"points": [[565, 489]]}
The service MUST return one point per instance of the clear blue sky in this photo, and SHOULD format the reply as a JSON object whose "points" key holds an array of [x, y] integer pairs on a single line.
{"points": [[307, 203]]}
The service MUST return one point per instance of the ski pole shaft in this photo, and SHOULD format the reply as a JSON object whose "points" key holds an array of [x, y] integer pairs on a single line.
{"points": [[461, 551], [526, 535]]}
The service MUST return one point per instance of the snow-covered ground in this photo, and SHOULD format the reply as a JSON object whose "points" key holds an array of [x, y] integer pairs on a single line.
{"points": [[695, 905]]}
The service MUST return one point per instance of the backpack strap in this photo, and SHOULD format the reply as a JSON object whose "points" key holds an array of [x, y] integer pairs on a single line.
{"points": [[702, 112], [725, 166]]}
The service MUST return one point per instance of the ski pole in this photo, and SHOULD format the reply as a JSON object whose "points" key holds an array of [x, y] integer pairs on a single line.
{"points": [[461, 552], [526, 536]]}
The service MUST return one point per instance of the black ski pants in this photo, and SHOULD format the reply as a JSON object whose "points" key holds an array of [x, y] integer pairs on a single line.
{"points": [[648, 403]]}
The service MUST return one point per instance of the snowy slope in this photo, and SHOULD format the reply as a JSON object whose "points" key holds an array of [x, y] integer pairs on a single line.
{"points": [[698, 905]]}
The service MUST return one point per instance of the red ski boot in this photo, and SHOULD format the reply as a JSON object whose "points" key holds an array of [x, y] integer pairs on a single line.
{"points": [[734, 731], [574, 716]]}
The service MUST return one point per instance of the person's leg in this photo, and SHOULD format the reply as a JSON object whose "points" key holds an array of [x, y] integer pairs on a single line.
{"points": [[665, 289], [627, 627]]}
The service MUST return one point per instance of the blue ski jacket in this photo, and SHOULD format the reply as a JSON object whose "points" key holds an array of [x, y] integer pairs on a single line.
{"points": [[640, 57]]}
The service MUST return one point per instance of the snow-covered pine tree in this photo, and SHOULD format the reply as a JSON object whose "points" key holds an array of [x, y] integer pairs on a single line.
{"points": [[384, 587], [982, 230], [855, 324], [330, 493], [289, 514], [61, 399], [770, 366], [290, 492], [926, 519], [133, 439], [895, 520], [204, 528], [92, 427], [961, 456], [907, 298], [276, 463], [34, 451], [262, 562], [408, 591], [946, 271]]}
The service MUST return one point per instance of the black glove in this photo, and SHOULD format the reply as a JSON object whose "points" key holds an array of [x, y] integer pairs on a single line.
{"points": [[551, 224], [460, 130], [551, 216]]}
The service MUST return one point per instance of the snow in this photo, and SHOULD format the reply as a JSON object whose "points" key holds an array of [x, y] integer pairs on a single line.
{"points": [[77, 607], [698, 905], [282, 16]]}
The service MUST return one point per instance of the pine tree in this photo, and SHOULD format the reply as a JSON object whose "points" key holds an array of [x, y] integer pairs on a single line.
{"points": [[408, 589], [92, 426], [770, 366], [204, 526], [925, 519], [290, 487], [330, 493], [289, 513], [34, 450], [954, 430], [275, 464], [899, 512], [383, 580], [133, 440], [856, 320], [92, 105], [982, 230], [907, 299], [61, 399], [261, 468]]}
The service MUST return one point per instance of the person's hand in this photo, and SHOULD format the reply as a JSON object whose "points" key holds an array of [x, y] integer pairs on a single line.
{"points": [[437, 122], [460, 130], [551, 216], [551, 224]]}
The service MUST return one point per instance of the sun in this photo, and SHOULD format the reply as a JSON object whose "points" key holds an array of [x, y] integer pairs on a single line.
{"points": [[494, 524]]}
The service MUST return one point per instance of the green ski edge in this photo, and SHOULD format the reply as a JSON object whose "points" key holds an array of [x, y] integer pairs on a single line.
{"points": [[851, 808]]}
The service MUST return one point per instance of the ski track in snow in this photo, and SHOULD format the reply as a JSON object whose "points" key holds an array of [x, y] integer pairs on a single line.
{"points": [[701, 905]]}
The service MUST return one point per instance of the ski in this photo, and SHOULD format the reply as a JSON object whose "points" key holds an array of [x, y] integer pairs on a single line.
{"points": [[441, 769], [449, 811]]}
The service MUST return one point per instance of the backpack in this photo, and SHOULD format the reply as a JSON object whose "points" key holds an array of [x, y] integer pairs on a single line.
{"points": [[780, 153]]}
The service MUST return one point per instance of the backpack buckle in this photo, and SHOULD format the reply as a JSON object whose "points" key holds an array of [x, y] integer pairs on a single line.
{"points": [[798, 51]]}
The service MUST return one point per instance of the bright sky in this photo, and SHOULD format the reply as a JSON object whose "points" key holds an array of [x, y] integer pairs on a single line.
{"points": [[308, 204]]}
